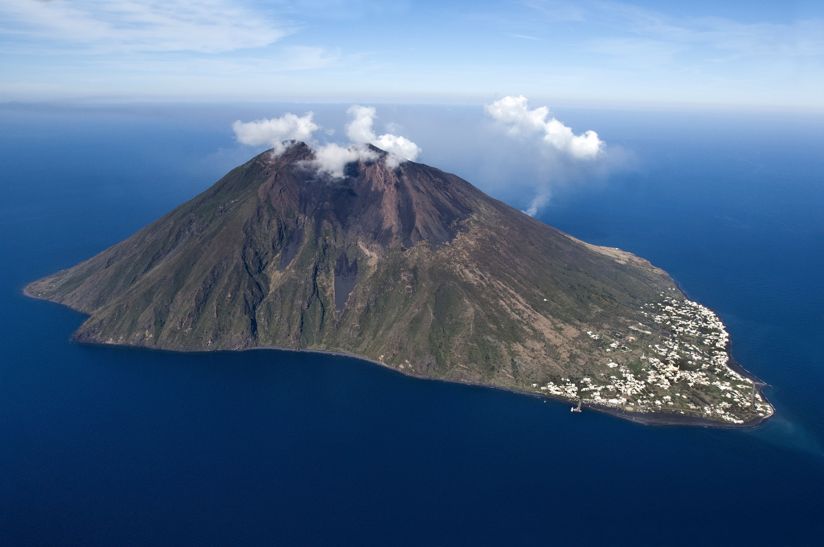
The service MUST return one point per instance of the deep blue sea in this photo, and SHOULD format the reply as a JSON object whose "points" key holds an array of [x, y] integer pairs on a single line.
{"points": [[110, 446]]}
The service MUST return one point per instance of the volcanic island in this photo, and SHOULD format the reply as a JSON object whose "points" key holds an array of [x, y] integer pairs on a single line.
{"points": [[402, 264]]}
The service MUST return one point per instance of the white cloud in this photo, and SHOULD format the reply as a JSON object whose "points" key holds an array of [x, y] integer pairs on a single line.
{"points": [[400, 148], [275, 130], [209, 26], [332, 158], [359, 130], [547, 155], [514, 114]]}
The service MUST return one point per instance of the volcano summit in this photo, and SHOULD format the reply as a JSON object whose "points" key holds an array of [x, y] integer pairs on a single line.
{"points": [[414, 268]]}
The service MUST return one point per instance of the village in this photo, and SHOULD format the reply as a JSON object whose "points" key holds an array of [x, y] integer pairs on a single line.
{"points": [[676, 363]]}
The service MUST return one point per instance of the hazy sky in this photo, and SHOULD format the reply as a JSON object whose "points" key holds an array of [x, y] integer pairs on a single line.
{"points": [[737, 53]]}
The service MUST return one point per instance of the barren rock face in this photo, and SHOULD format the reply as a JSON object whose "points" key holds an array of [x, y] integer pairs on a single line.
{"points": [[401, 264]]}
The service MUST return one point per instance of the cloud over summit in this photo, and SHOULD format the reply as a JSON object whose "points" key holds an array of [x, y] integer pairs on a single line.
{"points": [[523, 154], [330, 158], [274, 131], [360, 130]]}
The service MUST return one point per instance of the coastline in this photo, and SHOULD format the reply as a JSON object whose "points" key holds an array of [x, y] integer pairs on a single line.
{"points": [[733, 363], [641, 418]]}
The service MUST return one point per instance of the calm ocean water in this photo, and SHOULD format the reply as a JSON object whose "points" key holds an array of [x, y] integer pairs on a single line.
{"points": [[108, 446]]}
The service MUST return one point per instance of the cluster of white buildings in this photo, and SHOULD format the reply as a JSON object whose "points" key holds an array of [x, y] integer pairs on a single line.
{"points": [[683, 370]]}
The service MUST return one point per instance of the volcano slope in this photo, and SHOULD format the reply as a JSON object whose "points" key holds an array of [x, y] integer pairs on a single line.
{"points": [[414, 268]]}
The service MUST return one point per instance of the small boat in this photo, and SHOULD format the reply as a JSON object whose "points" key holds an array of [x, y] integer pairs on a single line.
{"points": [[576, 408]]}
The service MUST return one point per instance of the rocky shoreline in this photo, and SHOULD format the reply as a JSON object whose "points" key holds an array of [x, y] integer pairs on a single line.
{"points": [[643, 418]]}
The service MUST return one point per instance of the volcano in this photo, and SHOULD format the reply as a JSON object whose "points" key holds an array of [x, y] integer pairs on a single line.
{"points": [[416, 269]]}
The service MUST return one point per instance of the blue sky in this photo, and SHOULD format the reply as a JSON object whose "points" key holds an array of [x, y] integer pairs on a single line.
{"points": [[735, 54]]}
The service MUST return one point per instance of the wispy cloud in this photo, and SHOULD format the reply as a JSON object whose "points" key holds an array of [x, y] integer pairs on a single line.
{"points": [[709, 35], [558, 11], [636, 52], [209, 26], [584, 51], [305, 58], [524, 36]]}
